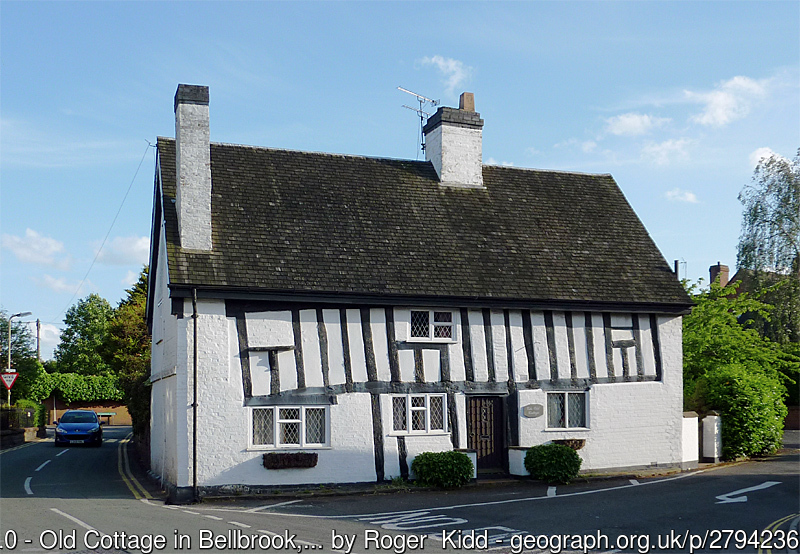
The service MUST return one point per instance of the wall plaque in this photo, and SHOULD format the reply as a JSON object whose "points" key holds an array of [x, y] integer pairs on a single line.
{"points": [[533, 410]]}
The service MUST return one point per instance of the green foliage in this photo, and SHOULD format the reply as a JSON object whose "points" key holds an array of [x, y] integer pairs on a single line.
{"points": [[83, 337], [713, 337], [442, 469], [29, 370], [74, 387], [22, 342], [127, 352], [553, 463], [769, 245], [751, 406]]}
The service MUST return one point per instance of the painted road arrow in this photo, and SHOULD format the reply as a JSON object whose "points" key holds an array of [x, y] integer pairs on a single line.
{"points": [[734, 496]]}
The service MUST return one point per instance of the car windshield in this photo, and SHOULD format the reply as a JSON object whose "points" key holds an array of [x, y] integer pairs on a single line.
{"points": [[79, 417]]}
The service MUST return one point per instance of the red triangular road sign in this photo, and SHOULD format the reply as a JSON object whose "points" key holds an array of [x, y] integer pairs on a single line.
{"points": [[9, 378]]}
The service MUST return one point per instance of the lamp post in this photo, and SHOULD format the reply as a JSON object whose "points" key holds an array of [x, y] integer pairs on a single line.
{"points": [[8, 370]]}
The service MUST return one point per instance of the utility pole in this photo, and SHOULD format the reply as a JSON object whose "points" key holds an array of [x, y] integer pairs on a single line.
{"points": [[38, 341]]}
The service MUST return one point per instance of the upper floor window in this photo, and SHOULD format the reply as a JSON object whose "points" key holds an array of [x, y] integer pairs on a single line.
{"points": [[432, 325]]}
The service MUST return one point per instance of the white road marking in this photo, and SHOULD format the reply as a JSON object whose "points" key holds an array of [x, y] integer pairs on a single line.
{"points": [[497, 502], [633, 481], [28, 485], [191, 512], [551, 491], [268, 506], [734, 496], [215, 518], [237, 524], [75, 520], [41, 466], [298, 541], [60, 453]]}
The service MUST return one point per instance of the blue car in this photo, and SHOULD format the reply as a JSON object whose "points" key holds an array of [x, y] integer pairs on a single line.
{"points": [[79, 427]]}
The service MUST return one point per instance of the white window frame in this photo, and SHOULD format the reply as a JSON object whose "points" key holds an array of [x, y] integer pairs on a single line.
{"points": [[432, 324], [567, 426], [277, 421], [426, 408]]}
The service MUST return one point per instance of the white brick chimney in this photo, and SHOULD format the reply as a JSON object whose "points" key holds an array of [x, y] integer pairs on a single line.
{"points": [[454, 144], [193, 165]]}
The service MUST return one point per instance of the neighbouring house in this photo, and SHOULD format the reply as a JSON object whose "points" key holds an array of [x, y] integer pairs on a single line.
{"points": [[362, 310]]}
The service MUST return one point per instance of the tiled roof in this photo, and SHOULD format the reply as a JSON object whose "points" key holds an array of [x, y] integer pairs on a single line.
{"points": [[346, 225]]}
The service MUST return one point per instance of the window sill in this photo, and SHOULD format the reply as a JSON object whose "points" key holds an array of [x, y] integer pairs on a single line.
{"points": [[420, 434], [567, 429], [255, 448]]}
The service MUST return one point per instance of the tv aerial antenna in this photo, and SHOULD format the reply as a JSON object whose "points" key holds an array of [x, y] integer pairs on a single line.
{"points": [[423, 115]]}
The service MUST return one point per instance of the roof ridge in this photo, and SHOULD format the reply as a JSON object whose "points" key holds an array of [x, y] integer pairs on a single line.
{"points": [[389, 158]]}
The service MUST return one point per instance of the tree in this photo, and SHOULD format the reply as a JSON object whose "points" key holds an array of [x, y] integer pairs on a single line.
{"points": [[769, 245], [23, 355], [127, 352], [21, 341], [84, 336], [730, 367]]}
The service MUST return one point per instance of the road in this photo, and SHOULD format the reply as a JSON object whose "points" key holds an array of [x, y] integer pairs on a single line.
{"points": [[80, 499]]}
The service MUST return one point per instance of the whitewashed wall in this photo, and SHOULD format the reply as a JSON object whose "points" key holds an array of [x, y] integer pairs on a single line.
{"points": [[634, 420]]}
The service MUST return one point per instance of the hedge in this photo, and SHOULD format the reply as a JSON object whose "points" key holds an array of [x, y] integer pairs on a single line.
{"points": [[73, 387]]}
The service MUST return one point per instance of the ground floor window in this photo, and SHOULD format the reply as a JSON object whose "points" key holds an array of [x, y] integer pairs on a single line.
{"points": [[290, 426], [566, 410], [419, 413]]}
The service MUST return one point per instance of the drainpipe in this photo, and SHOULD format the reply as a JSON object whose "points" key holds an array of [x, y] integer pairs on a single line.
{"points": [[194, 397]]}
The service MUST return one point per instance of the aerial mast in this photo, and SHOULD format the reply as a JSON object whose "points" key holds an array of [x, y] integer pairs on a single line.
{"points": [[423, 115]]}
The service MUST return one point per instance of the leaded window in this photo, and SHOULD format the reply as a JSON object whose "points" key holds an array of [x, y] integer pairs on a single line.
{"points": [[289, 426], [432, 325], [566, 410], [419, 413]]}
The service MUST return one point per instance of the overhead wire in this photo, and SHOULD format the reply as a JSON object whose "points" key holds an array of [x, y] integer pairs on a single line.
{"points": [[102, 244]]}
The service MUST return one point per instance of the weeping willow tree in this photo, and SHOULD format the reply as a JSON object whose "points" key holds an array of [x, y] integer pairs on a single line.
{"points": [[769, 245]]}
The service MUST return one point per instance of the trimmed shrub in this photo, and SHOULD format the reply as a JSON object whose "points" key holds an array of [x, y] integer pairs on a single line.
{"points": [[554, 463], [442, 469], [752, 409]]}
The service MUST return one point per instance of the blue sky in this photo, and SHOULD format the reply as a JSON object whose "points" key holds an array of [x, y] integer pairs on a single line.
{"points": [[675, 99]]}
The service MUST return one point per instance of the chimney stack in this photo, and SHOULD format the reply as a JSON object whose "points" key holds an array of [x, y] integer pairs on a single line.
{"points": [[721, 271], [454, 144], [193, 166]]}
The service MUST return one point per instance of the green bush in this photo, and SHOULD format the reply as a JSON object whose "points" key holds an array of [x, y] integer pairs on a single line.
{"points": [[554, 463], [751, 406], [442, 469]]}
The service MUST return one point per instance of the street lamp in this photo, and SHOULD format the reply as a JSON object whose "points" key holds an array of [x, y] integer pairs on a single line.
{"points": [[21, 314]]}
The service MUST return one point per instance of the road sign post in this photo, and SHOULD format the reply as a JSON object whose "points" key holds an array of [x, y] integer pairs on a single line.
{"points": [[8, 381]]}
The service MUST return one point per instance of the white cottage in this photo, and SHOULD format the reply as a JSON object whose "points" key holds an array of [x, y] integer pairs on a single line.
{"points": [[364, 310]]}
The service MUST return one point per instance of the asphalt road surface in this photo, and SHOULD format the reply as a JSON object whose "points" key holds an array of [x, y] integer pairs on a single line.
{"points": [[83, 499]]}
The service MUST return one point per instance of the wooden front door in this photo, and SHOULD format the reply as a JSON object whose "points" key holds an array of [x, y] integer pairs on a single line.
{"points": [[485, 431]]}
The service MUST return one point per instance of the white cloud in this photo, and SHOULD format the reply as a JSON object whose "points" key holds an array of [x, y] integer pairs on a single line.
{"points": [[454, 71], [760, 153], [680, 195], [57, 284], [729, 101], [492, 161], [588, 146], [632, 124], [36, 249], [131, 250], [663, 153], [130, 279]]}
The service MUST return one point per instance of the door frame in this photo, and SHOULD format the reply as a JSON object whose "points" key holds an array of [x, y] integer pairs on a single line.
{"points": [[502, 440]]}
